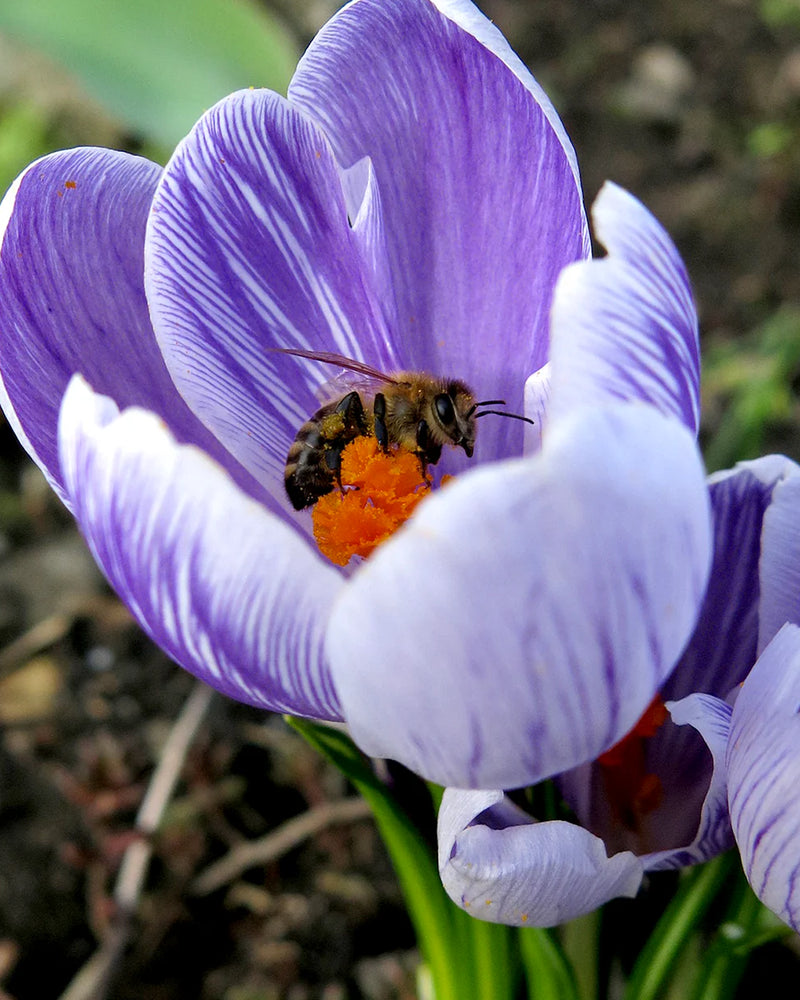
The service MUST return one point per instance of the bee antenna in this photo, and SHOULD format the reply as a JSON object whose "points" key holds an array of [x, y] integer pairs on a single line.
{"points": [[486, 402], [502, 413]]}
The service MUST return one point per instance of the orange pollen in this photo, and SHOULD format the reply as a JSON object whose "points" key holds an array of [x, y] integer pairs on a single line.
{"points": [[632, 791], [379, 492]]}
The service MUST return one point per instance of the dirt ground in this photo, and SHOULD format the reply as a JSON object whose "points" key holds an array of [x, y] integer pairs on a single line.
{"points": [[692, 106]]}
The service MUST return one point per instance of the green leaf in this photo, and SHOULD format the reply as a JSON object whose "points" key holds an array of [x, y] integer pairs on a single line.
{"points": [[157, 64], [747, 925], [751, 382], [548, 973], [675, 930], [436, 919]]}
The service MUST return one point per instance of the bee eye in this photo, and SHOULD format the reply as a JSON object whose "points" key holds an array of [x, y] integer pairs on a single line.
{"points": [[444, 408]]}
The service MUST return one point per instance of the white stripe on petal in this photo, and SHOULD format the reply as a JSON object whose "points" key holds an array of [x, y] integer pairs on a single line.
{"points": [[224, 587], [481, 202], [249, 249], [625, 327]]}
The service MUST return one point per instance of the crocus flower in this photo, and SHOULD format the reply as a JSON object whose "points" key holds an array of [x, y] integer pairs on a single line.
{"points": [[412, 205]]}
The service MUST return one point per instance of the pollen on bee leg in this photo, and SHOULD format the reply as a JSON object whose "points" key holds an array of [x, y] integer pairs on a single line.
{"points": [[380, 491]]}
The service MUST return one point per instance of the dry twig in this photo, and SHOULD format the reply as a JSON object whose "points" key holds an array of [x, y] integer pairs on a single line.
{"points": [[93, 980], [278, 842]]}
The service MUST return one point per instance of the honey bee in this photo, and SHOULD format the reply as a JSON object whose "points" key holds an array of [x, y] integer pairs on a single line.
{"points": [[412, 410]]}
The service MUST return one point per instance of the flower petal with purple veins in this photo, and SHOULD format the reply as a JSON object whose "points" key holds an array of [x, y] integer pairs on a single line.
{"points": [[625, 327], [479, 188], [523, 619], [723, 647], [224, 587], [73, 299], [248, 249], [780, 558], [710, 717], [500, 866], [763, 762]]}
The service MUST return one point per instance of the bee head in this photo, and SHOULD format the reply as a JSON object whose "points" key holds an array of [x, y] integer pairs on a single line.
{"points": [[454, 410]]}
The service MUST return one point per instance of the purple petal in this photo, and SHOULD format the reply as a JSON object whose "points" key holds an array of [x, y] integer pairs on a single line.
{"points": [[710, 717], [625, 327], [226, 588], [72, 288], [501, 866], [249, 248], [780, 556], [763, 766], [481, 200], [542, 603], [679, 821], [723, 647]]}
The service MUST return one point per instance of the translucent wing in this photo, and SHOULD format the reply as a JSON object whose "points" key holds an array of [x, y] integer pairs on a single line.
{"points": [[329, 358], [357, 375]]}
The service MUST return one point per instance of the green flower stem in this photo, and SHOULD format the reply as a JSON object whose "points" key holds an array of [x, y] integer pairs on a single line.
{"points": [[581, 942], [549, 975], [659, 958], [494, 964], [741, 932], [442, 938]]}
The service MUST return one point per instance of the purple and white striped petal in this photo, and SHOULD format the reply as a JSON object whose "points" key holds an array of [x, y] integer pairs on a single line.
{"points": [[543, 603], [249, 248], [723, 647], [625, 327], [710, 717], [763, 764], [478, 181], [223, 586], [501, 866], [73, 299], [780, 556]]}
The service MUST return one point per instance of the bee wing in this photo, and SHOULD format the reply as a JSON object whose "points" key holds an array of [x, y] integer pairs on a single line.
{"points": [[357, 375]]}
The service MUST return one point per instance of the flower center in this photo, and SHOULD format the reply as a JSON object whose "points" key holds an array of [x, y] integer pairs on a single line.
{"points": [[632, 791], [380, 491]]}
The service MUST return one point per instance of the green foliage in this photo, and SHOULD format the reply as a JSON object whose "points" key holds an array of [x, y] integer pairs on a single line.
{"points": [[23, 137], [771, 139], [157, 64], [751, 381], [781, 13]]}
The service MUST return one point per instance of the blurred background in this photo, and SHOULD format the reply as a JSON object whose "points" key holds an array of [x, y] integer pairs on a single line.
{"points": [[693, 107]]}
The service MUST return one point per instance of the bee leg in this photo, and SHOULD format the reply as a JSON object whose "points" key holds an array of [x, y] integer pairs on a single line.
{"points": [[352, 409], [333, 460], [379, 413], [427, 453]]}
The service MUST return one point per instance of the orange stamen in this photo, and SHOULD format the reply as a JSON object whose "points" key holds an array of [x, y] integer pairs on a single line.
{"points": [[380, 491], [632, 791]]}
